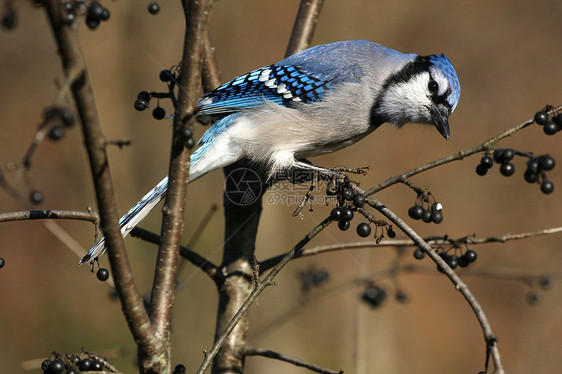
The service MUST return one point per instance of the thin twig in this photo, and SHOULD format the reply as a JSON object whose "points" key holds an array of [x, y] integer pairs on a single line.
{"points": [[313, 251], [193, 257], [250, 351], [485, 146], [267, 281], [50, 214]]}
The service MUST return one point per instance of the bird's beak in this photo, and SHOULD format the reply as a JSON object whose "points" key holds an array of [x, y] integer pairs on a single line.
{"points": [[440, 116]]}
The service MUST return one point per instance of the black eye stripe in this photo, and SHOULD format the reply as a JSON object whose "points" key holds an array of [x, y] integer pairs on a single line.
{"points": [[442, 99]]}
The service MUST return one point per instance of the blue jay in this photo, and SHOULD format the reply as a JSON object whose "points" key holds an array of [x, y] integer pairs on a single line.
{"points": [[316, 101]]}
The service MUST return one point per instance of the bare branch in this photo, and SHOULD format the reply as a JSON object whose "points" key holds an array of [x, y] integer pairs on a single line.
{"points": [[162, 298], [76, 76], [269, 263], [304, 26], [491, 343], [196, 259], [249, 351], [267, 281], [50, 214]]}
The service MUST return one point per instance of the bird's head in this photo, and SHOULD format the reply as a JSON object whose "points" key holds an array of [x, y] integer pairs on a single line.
{"points": [[426, 90]]}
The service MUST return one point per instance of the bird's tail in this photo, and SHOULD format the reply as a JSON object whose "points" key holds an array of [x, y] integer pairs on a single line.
{"points": [[210, 156], [132, 218]]}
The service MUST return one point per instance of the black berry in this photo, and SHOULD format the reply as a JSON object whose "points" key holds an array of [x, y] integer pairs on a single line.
{"points": [[140, 104], [546, 162], [9, 20], [347, 214], [103, 274], [85, 364], [92, 22], [343, 225], [541, 117], [547, 187], [190, 143], [45, 365], [95, 10], [2, 262], [359, 200], [158, 113], [507, 169], [437, 216], [347, 194], [165, 75], [105, 14], [481, 169], [363, 230], [143, 95], [419, 254], [533, 166], [502, 155], [97, 366], [179, 369], [67, 117], [550, 128], [55, 367], [36, 197], [56, 133], [532, 297], [470, 255], [374, 296], [530, 176], [153, 8], [487, 161], [336, 214], [416, 211]]}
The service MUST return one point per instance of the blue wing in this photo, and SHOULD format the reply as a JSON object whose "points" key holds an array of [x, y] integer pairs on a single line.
{"points": [[281, 84]]}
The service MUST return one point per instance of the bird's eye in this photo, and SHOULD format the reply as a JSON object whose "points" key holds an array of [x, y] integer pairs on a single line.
{"points": [[432, 86]]}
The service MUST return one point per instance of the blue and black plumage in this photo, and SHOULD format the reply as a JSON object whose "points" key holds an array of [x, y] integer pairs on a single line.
{"points": [[316, 101]]}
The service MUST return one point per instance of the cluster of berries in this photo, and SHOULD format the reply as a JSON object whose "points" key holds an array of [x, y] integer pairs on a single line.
{"points": [[433, 212], [550, 125], [536, 166], [465, 259], [57, 119], [349, 203], [73, 364], [95, 12], [311, 278], [143, 98]]}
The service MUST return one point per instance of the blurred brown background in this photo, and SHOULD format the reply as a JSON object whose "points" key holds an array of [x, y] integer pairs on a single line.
{"points": [[508, 56]]}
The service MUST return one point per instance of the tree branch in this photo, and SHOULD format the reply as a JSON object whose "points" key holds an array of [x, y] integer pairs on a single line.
{"points": [[75, 70], [491, 343], [249, 351], [262, 285], [270, 262], [50, 214], [196, 259], [304, 26], [162, 298]]}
